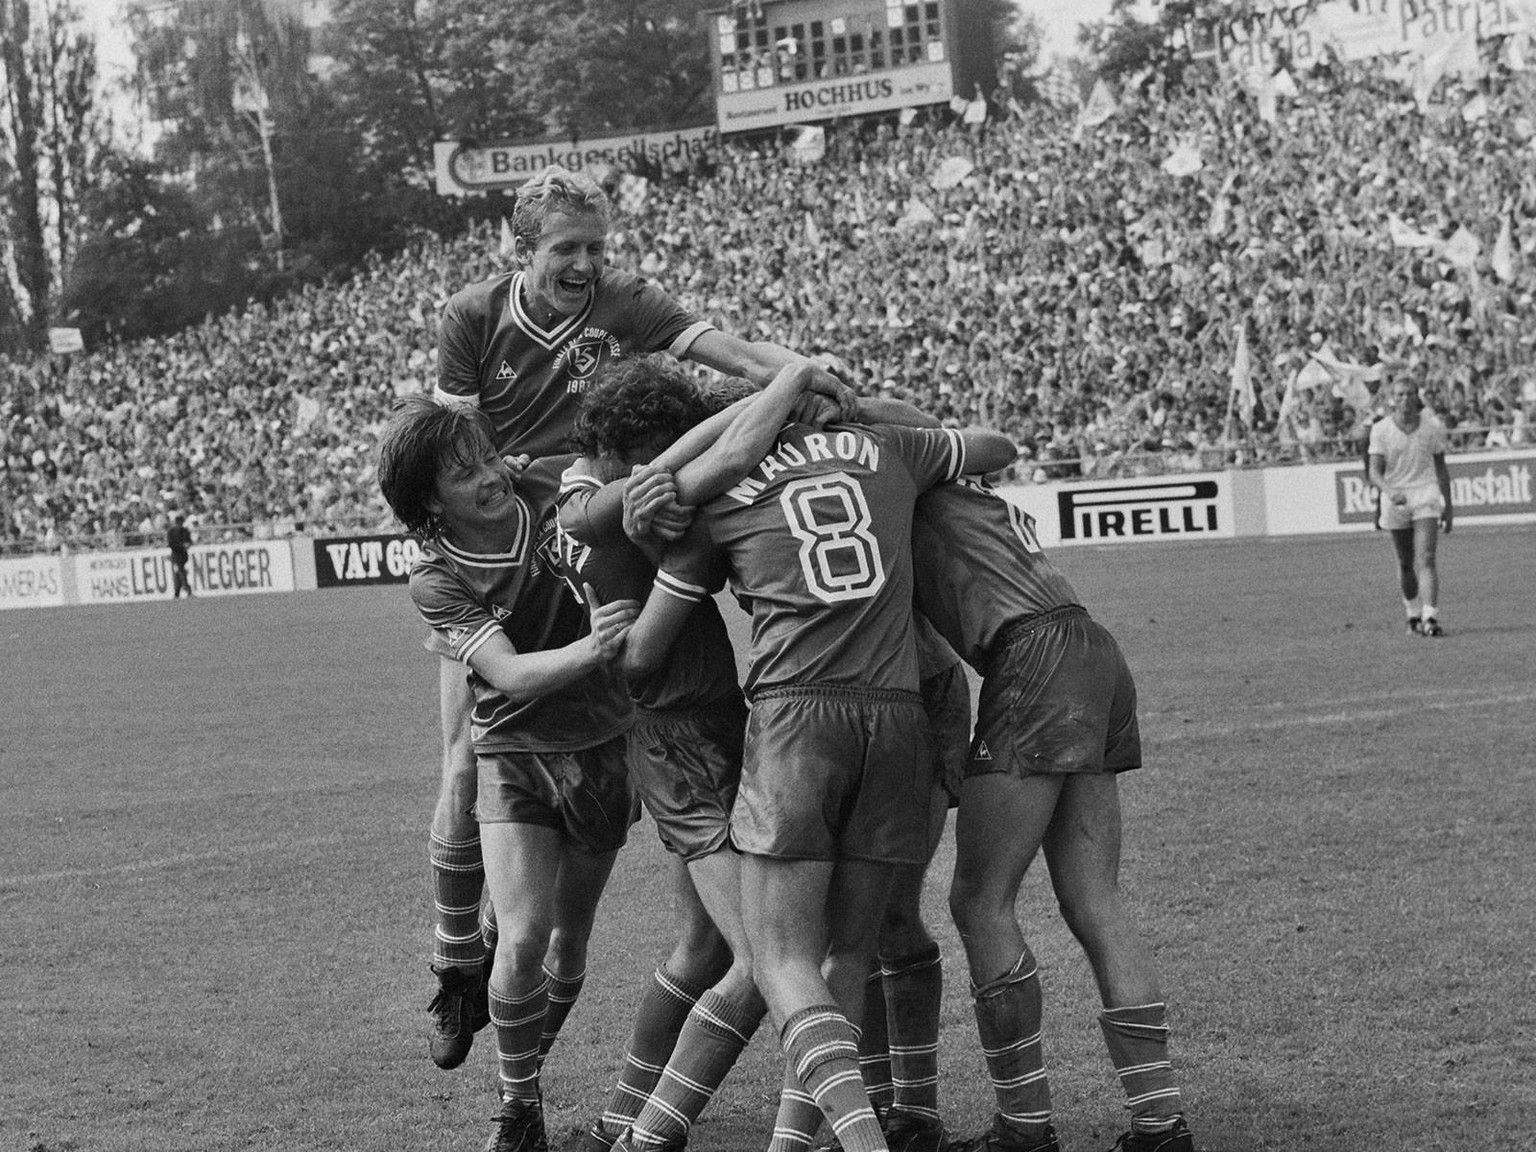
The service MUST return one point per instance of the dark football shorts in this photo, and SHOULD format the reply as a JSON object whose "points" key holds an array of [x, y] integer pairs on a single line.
{"points": [[947, 703], [835, 774], [585, 794], [1057, 697], [686, 766]]}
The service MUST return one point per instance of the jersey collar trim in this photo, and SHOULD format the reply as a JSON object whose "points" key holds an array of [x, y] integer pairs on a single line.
{"points": [[547, 338], [516, 554]]}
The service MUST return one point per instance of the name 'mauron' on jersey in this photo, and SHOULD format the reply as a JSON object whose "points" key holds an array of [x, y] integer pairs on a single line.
{"points": [[818, 541]]}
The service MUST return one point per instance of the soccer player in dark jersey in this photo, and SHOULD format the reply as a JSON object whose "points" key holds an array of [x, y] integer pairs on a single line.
{"points": [[837, 775], [685, 749], [523, 347], [554, 801], [899, 1043], [1056, 722]]}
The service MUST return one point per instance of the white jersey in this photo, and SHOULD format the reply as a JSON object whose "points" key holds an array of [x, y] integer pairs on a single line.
{"points": [[1408, 458]]}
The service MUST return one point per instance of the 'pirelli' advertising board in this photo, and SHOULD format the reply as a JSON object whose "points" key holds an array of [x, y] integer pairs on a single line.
{"points": [[235, 569], [352, 561], [1192, 507]]}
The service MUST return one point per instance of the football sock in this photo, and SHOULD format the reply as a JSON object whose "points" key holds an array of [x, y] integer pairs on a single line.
{"points": [[563, 991], [715, 1034], [1008, 1020], [1411, 607], [914, 990], [799, 1118], [519, 1022], [458, 875], [488, 931], [1429, 612], [663, 1010], [875, 1044], [1137, 1039], [823, 1051]]}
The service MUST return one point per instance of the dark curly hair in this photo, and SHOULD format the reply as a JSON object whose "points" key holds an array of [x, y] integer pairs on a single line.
{"points": [[633, 402], [422, 437]]}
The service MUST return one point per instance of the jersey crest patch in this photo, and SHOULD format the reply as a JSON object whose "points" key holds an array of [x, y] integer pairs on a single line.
{"points": [[505, 372]]}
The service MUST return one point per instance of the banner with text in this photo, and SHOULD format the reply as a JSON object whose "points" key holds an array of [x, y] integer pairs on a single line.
{"points": [[750, 108], [1356, 29], [213, 570], [349, 561], [31, 582], [464, 169], [1488, 488], [1193, 507]]}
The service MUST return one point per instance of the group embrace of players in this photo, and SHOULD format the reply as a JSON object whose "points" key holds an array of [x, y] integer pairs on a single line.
{"points": [[586, 668]]}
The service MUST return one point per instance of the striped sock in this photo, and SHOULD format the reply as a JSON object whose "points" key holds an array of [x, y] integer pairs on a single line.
{"points": [[823, 1051], [519, 1022], [1137, 1039], [563, 991], [663, 1011], [717, 1031], [914, 991], [1008, 1019], [798, 1121], [875, 1045], [458, 876]]}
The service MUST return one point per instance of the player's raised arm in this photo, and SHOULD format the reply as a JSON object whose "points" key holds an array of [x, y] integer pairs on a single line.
{"points": [[760, 362], [884, 410], [746, 440], [987, 451]]}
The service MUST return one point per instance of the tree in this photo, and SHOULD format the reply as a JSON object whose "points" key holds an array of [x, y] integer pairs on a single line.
{"points": [[409, 73], [152, 262], [227, 77], [51, 136]]}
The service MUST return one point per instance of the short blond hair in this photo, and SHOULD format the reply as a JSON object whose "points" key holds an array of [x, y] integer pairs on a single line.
{"points": [[555, 190]]}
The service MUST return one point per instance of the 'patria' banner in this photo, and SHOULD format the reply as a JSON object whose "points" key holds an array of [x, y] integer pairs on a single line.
{"points": [[469, 169], [1353, 29], [343, 562]]}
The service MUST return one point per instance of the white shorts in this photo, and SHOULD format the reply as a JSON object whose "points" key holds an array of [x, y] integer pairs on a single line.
{"points": [[1423, 502]]}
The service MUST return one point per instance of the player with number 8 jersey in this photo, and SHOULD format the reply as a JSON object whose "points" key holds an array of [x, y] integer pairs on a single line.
{"points": [[816, 540], [838, 772]]}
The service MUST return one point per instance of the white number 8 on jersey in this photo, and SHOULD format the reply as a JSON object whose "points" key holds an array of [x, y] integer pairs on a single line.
{"points": [[839, 555]]}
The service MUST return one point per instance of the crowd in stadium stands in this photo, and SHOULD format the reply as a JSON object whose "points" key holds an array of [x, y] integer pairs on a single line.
{"points": [[1068, 290]]}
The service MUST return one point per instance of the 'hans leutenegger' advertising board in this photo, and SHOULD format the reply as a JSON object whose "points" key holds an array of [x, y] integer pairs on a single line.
{"points": [[214, 570]]}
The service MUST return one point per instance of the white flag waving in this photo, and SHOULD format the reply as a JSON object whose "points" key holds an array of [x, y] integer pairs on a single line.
{"points": [[1100, 107]]}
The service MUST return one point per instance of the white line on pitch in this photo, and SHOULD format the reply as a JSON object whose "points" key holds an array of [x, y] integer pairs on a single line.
{"points": [[1177, 731], [130, 866]]}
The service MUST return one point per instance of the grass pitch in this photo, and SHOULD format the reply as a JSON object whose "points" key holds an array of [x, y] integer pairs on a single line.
{"points": [[214, 898]]}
